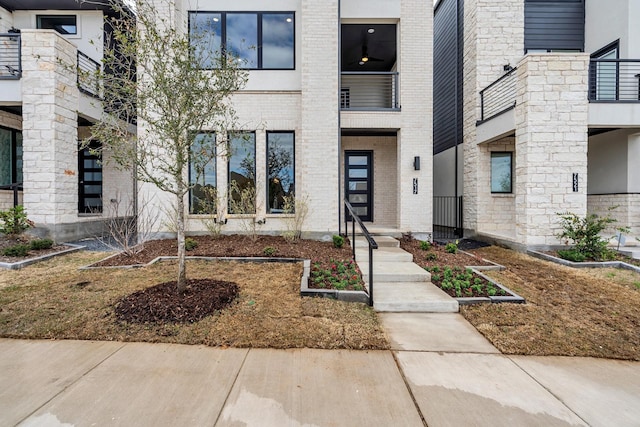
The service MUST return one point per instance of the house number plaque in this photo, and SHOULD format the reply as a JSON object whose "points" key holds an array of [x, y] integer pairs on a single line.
{"points": [[415, 185], [575, 182]]}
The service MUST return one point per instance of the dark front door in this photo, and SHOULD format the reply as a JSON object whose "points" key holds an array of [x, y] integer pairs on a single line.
{"points": [[359, 182], [89, 179]]}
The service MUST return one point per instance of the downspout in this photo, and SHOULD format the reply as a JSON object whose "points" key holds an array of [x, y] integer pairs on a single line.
{"points": [[339, 122]]}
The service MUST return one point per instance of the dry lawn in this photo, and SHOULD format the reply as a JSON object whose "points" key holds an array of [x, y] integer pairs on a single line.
{"points": [[569, 312], [54, 300]]}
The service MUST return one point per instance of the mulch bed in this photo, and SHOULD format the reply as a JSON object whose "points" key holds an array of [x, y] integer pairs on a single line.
{"points": [[438, 256], [163, 303], [617, 257], [235, 246], [5, 243]]}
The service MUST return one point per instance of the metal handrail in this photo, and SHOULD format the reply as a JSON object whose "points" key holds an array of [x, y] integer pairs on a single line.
{"points": [[498, 97], [10, 56], [15, 186], [88, 70], [370, 240], [369, 90], [614, 80]]}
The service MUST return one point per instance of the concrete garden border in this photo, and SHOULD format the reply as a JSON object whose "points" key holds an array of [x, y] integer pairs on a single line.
{"points": [[591, 264], [21, 264], [512, 297]]}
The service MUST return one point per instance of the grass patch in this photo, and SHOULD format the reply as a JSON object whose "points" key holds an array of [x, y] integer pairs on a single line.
{"points": [[569, 312], [54, 300]]}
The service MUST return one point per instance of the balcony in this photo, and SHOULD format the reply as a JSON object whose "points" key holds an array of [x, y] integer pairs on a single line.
{"points": [[369, 91], [498, 97], [88, 73], [10, 57], [614, 93]]}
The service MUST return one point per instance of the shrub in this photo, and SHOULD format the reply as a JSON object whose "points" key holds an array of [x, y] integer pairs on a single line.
{"points": [[585, 234], [16, 250], [269, 251], [425, 245], [572, 255], [40, 244], [431, 256], [190, 244], [338, 241], [296, 211], [14, 221], [452, 247]]}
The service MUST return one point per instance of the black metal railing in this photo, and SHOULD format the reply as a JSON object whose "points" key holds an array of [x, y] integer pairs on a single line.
{"points": [[499, 96], [370, 241], [10, 57], [88, 71], [369, 91], [614, 80], [447, 217], [15, 187]]}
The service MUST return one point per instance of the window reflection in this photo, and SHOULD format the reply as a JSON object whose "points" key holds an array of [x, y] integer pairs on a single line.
{"points": [[280, 165], [242, 38], [242, 173], [202, 174], [277, 40]]}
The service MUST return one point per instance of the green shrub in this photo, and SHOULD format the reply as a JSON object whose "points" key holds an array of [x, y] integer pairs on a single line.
{"points": [[585, 234], [452, 247], [19, 250], [190, 244], [572, 255], [431, 256], [269, 251], [14, 221], [425, 245], [40, 244], [338, 241]]}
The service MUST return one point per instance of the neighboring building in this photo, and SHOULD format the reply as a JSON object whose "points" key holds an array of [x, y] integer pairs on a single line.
{"points": [[539, 101], [339, 92], [45, 110]]}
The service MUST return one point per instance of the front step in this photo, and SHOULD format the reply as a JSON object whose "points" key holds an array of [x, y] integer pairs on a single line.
{"points": [[412, 297], [382, 241], [384, 254], [394, 272]]}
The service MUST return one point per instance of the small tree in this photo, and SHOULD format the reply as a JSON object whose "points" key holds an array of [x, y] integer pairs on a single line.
{"points": [[154, 73]]}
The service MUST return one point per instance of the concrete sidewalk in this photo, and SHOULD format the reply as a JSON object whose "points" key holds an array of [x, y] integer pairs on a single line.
{"points": [[440, 372]]}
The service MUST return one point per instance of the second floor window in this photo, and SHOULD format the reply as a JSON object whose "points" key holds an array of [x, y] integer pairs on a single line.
{"points": [[260, 40], [64, 24]]}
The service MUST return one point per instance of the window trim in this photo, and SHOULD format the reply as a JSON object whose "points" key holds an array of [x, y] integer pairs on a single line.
{"points": [[14, 153], [259, 14], [54, 15], [491, 154], [293, 133]]}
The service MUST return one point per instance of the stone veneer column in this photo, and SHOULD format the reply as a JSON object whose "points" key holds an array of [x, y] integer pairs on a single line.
{"points": [[49, 126], [493, 37], [551, 143], [415, 211], [317, 156]]}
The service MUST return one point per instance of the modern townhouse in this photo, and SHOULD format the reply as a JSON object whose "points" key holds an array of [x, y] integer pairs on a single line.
{"points": [[338, 106], [536, 111], [46, 109]]}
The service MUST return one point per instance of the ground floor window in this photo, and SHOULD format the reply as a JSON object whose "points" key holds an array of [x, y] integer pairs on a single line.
{"points": [[242, 173], [501, 172], [90, 179], [280, 171], [10, 156], [202, 174]]}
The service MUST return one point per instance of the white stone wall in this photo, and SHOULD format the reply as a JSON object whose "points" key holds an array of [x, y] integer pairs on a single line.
{"points": [[551, 143], [385, 179], [415, 138], [627, 212], [493, 37], [50, 100], [496, 212]]}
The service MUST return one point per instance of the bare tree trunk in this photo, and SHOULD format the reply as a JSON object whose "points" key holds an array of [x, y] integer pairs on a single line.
{"points": [[182, 267]]}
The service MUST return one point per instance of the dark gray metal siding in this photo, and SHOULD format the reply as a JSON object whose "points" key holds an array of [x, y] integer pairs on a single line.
{"points": [[447, 75], [555, 25]]}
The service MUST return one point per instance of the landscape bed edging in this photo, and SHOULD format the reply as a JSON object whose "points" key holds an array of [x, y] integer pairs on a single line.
{"points": [[590, 264], [513, 298], [21, 264]]}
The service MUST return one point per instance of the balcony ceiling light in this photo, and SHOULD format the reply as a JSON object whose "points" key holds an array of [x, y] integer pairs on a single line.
{"points": [[364, 59]]}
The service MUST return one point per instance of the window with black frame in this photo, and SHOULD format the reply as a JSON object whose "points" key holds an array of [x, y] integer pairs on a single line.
{"points": [[242, 173], [10, 156], [259, 40], [63, 24], [501, 172], [280, 172], [202, 174]]}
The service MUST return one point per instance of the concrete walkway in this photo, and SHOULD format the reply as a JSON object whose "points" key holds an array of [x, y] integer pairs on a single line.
{"points": [[400, 285], [440, 372]]}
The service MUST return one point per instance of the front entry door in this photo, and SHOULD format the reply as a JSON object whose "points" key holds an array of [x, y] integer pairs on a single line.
{"points": [[359, 182]]}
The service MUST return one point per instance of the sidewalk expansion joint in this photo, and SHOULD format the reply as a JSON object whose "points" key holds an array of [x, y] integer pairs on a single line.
{"points": [[233, 384], [406, 384]]}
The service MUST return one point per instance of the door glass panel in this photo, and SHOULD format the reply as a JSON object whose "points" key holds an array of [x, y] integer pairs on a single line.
{"points": [[357, 198], [357, 186], [360, 210], [358, 160], [357, 173]]}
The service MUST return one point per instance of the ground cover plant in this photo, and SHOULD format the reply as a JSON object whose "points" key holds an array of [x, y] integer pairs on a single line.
{"points": [[340, 275], [55, 300], [459, 282], [569, 312]]}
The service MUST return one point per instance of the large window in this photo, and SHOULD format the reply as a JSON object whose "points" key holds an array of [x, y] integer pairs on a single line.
{"points": [[64, 24], [501, 172], [260, 40], [202, 174], [10, 156], [605, 84], [242, 173], [280, 169]]}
